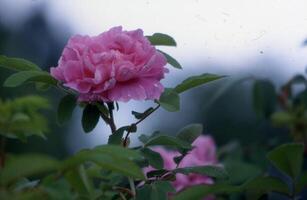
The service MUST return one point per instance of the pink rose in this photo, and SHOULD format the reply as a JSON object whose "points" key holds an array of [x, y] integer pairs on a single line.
{"points": [[204, 153], [116, 65]]}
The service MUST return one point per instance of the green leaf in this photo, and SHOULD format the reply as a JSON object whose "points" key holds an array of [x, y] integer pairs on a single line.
{"points": [[302, 182], [157, 191], [143, 192], [240, 171], [190, 132], [259, 186], [170, 60], [75, 180], [160, 190], [161, 39], [166, 140], [25, 166], [119, 151], [199, 192], [170, 100], [154, 159], [17, 64], [288, 158], [138, 115], [208, 170], [22, 77], [195, 81], [90, 118], [114, 161], [66, 108], [116, 137], [264, 97]]}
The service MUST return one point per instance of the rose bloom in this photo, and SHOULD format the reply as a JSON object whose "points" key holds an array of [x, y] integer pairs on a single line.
{"points": [[116, 65], [203, 153]]}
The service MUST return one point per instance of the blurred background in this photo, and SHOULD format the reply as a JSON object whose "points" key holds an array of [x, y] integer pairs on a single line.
{"points": [[238, 38]]}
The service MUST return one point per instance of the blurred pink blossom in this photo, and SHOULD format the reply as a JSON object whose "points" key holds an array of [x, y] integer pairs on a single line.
{"points": [[203, 153], [116, 65]]}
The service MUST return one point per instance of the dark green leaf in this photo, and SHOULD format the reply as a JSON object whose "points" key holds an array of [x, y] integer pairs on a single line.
{"points": [[105, 156], [190, 132], [208, 170], [166, 140], [143, 138], [200, 191], [119, 151], [154, 159], [241, 171], [288, 158], [262, 185], [264, 97], [161, 39], [160, 190], [143, 192], [157, 191], [172, 61], [170, 100], [17, 64], [138, 115], [75, 180], [26, 165], [66, 108], [302, 182], [22, 77], [116, 137], [90, 118], [195, 81]]}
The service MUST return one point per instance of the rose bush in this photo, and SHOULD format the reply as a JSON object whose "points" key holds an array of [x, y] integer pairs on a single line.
{"points": [[96, 72]]}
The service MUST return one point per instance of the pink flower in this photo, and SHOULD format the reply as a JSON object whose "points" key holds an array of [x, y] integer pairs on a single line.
{"points": [[116, 65], [204, 153]]}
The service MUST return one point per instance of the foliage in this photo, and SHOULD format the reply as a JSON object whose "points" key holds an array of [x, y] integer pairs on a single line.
{"points": [[115, 171]]}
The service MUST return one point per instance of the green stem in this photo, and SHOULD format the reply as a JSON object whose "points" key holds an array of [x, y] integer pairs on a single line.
{"points": [[139, 121], [111, 122]]}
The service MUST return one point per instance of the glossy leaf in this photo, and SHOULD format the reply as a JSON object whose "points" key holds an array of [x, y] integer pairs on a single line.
{"points": [[154, 159], [170, 100], [190, 132], [116, 137], [288, 158], [22, 77], [114, 161], [170, 60], [199, 192], [17, 64], [66, 108], [161, 39], [208, 170], [195, 81], [90, 118], [167, 141]]}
